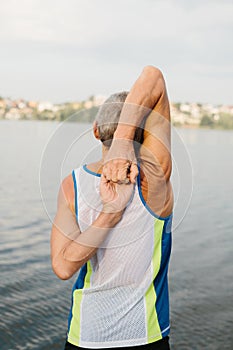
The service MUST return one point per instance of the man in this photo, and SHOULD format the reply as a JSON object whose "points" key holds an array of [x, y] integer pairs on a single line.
{"points": [[113, 222]]}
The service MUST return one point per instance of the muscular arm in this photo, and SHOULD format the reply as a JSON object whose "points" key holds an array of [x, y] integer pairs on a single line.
{"points": [[148, 99], [70, 248], [156, 165], [148, 93]]}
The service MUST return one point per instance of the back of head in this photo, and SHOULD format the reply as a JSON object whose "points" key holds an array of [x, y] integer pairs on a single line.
{"points": [[108, 117]]}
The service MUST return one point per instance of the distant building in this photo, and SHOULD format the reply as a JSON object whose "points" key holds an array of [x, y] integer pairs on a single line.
{"points": [[99, 100], [184, 107], [45, 106], [2, 104], [226, 109], [76, 105], [32, 104], [13, 114], [181, 113], [88, 104]]}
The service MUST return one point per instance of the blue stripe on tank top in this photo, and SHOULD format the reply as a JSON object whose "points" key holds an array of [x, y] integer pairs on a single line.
{"points": [[83, 271], [75, 194], [161, 281], [90, 171], [78, 285], [144, 202]]}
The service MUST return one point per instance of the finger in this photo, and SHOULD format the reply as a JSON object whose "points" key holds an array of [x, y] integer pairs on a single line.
{"points": [[104, 171], [126, 181], [103, 179], [133, 173], [107, 172], [123, 172], [114, 173]]}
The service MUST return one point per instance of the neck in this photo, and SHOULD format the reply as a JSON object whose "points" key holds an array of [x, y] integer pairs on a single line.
{"points": [[104, 152], [98, 165]]}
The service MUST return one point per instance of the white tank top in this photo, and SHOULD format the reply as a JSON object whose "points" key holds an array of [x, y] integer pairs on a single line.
{"points": [[121, 295]]}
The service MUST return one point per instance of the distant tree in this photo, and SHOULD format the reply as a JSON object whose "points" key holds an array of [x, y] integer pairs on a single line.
{"points": [[177, 105], [225, 121], [178, 124], [206, 121]]}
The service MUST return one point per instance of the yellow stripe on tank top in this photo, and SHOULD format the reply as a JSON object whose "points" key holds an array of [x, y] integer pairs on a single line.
{"points": [[153, 328], [74, 333]]}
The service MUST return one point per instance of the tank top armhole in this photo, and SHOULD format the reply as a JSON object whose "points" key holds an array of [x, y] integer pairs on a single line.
{"points": [[144, 202], [75, 194]]}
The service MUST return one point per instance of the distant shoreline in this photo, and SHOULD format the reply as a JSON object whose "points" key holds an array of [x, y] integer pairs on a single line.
{"points": [[183, 115], [186, 115], [179, 126]]}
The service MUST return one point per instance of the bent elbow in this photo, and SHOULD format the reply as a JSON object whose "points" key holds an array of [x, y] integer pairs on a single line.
{"points": [[152, 72], [62, 276], [156, 80], [60, 272]]}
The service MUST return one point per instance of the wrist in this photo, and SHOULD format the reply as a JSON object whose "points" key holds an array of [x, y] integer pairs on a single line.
{"points": [[124, 132], [121, 148], [107, 218]]}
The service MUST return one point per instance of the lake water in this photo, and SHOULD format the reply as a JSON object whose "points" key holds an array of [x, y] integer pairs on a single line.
{"points": [[35, 303]]}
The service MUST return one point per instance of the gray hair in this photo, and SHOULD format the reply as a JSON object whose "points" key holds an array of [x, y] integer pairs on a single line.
{"points": [[108, 117]]}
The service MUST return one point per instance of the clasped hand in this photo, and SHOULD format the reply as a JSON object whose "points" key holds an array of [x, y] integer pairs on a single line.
{"points": [[120, 164]]}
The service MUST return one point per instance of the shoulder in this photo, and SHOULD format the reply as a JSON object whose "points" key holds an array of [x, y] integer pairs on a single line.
{"points": [[68, 184], [67, 191]]}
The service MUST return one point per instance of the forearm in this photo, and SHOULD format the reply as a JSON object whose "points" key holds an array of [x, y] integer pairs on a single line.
{"points": [[85, 246], [140, 101], [78, 251]]}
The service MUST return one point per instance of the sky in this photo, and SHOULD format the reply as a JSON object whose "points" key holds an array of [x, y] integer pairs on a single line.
{"points": [[58, 51]]}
